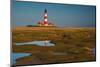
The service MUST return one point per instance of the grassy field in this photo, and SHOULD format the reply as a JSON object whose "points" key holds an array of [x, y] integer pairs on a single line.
{"points": [[74, 44]]}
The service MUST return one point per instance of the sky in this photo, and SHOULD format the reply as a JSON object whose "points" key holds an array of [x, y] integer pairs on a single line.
{"points": [[62, 15]]}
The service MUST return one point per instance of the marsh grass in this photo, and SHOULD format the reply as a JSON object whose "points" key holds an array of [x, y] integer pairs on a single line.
{"points": [[76, 43]]}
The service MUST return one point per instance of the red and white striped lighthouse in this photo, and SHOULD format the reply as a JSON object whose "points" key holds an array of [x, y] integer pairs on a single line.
{"points": [[45, 18], [45, 22]]}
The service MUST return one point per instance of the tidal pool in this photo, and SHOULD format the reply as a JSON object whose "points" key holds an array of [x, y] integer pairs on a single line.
{"points": [[15, 56], [37, 43]]}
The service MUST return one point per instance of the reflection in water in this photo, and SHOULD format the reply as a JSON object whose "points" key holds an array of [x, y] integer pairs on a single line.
{"points": [[38, 43], [18, 55]]}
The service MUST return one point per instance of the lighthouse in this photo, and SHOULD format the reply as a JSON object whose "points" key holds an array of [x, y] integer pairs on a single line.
{"points": [[45, 21], [45, 18]]}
